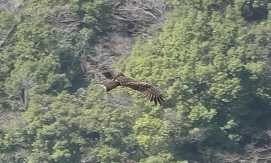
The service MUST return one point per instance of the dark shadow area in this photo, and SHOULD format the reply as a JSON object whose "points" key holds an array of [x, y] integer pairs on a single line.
{"points": [[255, 10]]}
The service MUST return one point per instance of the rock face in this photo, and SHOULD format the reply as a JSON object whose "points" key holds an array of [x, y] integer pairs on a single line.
{"points": [[10, 5], [258, 151], [130, 19], [136, 16], [112, 46], [10, 119], [62, 19], [5, 5]]}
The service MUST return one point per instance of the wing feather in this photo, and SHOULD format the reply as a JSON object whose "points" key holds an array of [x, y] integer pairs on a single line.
{"points": [[153, 93], [110, 84], [152, 97], [119, 79]]}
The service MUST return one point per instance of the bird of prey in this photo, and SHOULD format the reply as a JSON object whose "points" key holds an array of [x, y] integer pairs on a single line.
{"points": [[115, 79]]}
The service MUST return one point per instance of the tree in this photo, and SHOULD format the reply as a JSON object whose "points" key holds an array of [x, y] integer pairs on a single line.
{"points": [[212, 68]]}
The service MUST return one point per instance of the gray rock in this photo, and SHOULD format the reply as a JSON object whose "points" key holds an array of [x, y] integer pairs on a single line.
{"points": [[10, 5]]}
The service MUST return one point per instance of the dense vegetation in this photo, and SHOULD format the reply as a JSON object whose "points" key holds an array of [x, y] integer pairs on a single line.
{"points": [[211, 58]]}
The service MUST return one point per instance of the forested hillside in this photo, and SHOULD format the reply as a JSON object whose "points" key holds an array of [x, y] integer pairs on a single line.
{"points": [[211, 58]]}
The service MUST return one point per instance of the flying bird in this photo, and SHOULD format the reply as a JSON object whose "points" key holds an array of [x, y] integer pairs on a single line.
{"points": [[115, 79]]}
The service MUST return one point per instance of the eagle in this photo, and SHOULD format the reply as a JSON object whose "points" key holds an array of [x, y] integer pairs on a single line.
{"points": [[115, 79]]}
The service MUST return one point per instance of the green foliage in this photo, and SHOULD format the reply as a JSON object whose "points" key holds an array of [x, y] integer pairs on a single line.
{"points": [[210, 59], [6, 21], [160, 158], [107, 154], [211, 66], [151, 133], [41, 55], [94, 14]]}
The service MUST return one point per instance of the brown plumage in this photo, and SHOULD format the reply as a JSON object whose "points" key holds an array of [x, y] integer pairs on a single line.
{"points": [[115, 79]]}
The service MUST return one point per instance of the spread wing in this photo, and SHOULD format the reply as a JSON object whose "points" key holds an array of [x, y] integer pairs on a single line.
{"points": [[152, 92], [110, 84], [119, 79]]}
